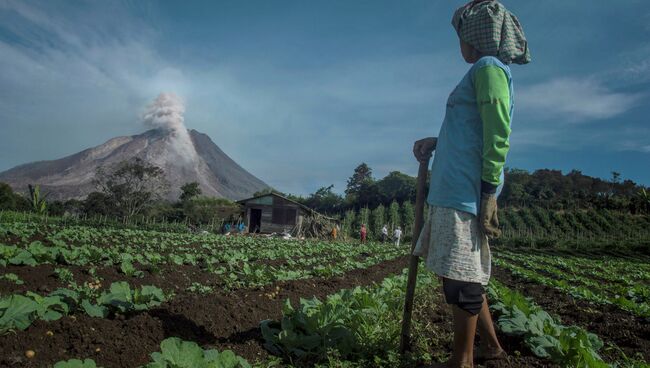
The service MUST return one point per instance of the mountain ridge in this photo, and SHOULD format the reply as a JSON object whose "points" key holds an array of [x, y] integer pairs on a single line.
{"points": [[201, 161]]}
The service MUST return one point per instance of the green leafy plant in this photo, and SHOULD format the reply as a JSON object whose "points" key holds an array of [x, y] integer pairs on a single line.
{"points": [[64, 274], [569, 346], [197, 287], [124, 299], [12, 277], [176, 353], [128, 269]]}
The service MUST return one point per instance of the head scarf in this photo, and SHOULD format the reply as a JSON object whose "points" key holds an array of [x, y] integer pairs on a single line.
{"points": [[492, 30]]}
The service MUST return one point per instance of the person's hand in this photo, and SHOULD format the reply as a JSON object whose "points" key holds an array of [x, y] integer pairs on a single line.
{"points": [[488, 220], [423, 148]]}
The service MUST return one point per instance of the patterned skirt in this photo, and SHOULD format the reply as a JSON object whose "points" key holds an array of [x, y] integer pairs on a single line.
{"points": [[453, 246]]}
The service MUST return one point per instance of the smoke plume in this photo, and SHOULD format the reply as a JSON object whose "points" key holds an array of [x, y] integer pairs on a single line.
{"points": [[166, 112]]}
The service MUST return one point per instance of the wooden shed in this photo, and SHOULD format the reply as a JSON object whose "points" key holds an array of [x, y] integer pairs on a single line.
{"points": [[272, 212]]}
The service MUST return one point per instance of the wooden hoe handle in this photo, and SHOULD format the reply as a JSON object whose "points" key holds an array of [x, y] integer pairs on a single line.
{"points": [[405, 341]]}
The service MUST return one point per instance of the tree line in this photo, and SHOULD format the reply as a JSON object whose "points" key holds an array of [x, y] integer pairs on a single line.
{"points": [[137, 188], [545, 188]]}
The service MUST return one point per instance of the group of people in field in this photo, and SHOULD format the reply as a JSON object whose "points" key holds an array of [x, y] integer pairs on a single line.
{"points": [[234, 228], [397, 234]]}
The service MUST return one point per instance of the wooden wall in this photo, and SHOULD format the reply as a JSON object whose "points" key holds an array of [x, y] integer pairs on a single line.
{"points": [[267, 204]]}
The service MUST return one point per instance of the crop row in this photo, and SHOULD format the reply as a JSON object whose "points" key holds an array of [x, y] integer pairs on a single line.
{"points": [[604, 226], [625, 272], [176, 353], [20, 311], [564, 284]]}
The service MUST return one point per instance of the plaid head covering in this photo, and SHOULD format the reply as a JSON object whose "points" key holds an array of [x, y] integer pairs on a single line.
{"points": [[492, 30]]}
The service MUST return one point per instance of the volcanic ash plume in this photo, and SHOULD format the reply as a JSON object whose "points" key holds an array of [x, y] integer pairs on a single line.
{"points": [[166, 112]]}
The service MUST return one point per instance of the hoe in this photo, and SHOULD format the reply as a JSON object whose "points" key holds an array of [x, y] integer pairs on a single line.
{"points": [[405, 340]]}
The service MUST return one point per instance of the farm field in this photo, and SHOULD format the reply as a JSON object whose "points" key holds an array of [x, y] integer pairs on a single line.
{"points": [[118, 295]]}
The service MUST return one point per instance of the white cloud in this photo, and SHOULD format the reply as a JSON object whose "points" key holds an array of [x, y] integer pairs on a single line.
{"points": [[575, 100]]}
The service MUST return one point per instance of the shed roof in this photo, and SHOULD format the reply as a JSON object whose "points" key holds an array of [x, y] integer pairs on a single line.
{"points": [[243, 201]]}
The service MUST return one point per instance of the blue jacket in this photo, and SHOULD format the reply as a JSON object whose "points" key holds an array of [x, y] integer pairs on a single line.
{"points": [[457, 162]]}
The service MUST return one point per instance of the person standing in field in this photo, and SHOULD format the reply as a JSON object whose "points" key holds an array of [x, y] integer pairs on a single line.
{"points": [[397, 235], [384, 233], [467, 173], [363, 232], [334, 232]]}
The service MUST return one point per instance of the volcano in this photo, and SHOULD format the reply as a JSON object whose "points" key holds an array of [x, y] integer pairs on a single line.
{"points": [[72, 177]]}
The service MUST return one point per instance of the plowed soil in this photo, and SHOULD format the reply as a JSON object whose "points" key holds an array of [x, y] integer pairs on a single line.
{"points": [[220, 320]]}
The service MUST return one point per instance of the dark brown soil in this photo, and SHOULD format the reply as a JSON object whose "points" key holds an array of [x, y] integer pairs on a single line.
{"points": [[612, 325], [220, 320]]}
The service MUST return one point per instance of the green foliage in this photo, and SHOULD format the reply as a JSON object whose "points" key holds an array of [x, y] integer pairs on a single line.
{"points": [[176, 353], [7, 197], [378, 220], [124, 299], [362, 174], [408, 218], [18, 311], [197, 287], [353, 324], [39, 205], [189, 191], [547, 338], [324, 200], [203, 210], [551, 189], [132, 186], [394, 219], [12, 277], [128, 269]]}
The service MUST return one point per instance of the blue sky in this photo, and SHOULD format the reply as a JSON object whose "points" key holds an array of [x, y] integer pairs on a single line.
{"points": [[300, 92]]}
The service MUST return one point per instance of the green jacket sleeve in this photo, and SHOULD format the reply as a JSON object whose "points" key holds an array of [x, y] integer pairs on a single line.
{"points": [[493, 98]]}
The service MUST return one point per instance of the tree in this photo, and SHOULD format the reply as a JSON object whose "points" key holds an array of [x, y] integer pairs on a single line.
{"points": [[189, 191], [37, 200], [131, 186], [364, 218], [7, 197], [324, 200], [347, 226], [393, 216], [98, 203], [397, 186], [203, 210], [408, 218], [362, 174], [378, 216]]}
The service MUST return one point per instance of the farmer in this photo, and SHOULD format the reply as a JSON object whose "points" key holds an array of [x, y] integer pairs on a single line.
{"points": [[397, 235], [384, 233], [334, 232], [467, 172], [363, 232]]}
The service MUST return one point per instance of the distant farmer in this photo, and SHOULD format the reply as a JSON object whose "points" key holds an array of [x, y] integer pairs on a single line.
{"points": [[363, 232], [384, 233], [334, 232], [467, 172], [397, 235]]}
